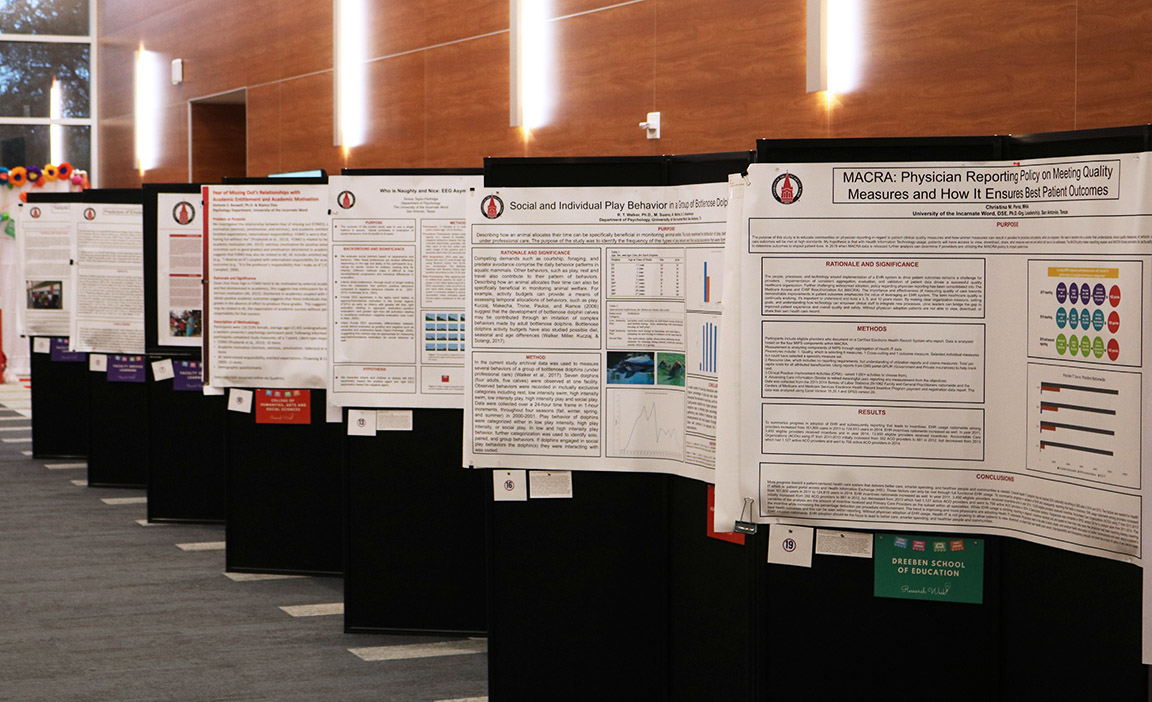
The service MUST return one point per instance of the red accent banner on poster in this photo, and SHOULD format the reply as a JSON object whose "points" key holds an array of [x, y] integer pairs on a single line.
{"points": [[283, 406]]}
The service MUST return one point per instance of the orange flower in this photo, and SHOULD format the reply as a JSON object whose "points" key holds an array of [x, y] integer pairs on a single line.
{"points": [[64, 170], [18, 176]]}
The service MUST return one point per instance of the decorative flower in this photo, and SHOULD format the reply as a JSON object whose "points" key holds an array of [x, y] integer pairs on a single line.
{"points": [[4, 176], [24, 196], [51, 173], [64, 170], [17, 177], [34, 175], [77, 180]]}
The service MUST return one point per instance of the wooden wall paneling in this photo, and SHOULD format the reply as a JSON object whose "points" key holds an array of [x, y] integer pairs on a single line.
{"points": [[118, 153], [726, 77], [396, 116], [307, 124], [263, 115], [603, 85], [116, 64], [116, 16], [1114, 63], [466, 103], [172, 166], [980, 67], [450, 20], [218, 143], [565, 8]]}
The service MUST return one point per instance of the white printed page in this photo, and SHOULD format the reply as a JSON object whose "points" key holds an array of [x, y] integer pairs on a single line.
{"points": [[46, 237], [595, 319], [179, 270], [946, 347], [399, 305], [267, 271], [108, 278]]}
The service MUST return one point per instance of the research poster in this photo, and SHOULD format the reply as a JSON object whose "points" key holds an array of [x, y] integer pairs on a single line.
{"points": [[266, 263], [108, 278], [179, 270], [594, 322], [945, 347], [397, 282], [45, 238]]}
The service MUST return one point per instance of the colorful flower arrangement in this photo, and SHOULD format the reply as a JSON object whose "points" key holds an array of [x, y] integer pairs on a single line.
{"points": [[24, 178]]}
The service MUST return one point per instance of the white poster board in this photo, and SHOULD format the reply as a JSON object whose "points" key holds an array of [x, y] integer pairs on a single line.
{"points": [[912, 355], [46, 233], [179, 270], [267, 272], [594, 316], [108, 277], [397, 281]]}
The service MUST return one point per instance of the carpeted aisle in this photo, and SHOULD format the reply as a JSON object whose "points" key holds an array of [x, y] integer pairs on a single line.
{"points": [[96, 606]]}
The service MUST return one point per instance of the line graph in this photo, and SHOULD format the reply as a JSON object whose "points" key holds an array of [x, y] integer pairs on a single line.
{"points": [[646, 423]]}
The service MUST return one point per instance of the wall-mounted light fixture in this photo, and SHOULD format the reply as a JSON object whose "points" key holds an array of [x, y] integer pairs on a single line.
{"points": [[351, 72], [149, 83], [530, 62], [834, 45]]}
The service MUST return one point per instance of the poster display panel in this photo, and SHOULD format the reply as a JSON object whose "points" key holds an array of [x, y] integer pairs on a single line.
{"points": [[594, 319], [108, 277], [179, 270], [397, 282], [266, 263], [943, 347], [46, 238]]}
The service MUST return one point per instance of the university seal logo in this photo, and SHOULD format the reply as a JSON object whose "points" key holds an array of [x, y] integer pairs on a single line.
{"points": [[346, 199], [787, 188], [492, 206], [90, 214], [183, 213]]}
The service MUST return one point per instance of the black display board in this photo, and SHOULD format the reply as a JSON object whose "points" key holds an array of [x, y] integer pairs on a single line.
{"points": [[1049, 627], [284, 481], [416, 528], [618, 593], [1057, 602], [59, 405], [59, 388], [118, 430], [186, 457], [284, 494], [416, 523]]}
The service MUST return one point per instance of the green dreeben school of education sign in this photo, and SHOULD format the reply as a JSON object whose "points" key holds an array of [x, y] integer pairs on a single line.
{"points": [[940, 568]]}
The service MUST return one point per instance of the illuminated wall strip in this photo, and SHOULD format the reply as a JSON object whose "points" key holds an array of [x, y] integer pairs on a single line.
{"points": [[351, 72], [834, 45], [56, 131], [149, 84], [531, 63]]}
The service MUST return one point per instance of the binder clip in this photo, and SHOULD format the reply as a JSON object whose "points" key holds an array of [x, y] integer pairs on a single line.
{"points": [[742, 526]]}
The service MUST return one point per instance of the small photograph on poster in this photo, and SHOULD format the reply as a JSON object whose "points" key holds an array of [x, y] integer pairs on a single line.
{"points": [[187, 323], [45, 294], [670, 369], [631, 367]]}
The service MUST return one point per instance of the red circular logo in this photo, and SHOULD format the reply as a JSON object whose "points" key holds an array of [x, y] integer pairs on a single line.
{"points": [[1113, 349], [1114, 296], [1114, 322]]}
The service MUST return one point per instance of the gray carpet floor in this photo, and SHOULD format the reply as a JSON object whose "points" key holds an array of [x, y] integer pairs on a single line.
{"points": [[95, 606]]}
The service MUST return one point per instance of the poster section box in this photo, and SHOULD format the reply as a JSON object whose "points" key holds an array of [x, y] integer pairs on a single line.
{"points": [[60, 405], [417, 539], [624, 570], [186, 457], [118, 433], [285, 507]]}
